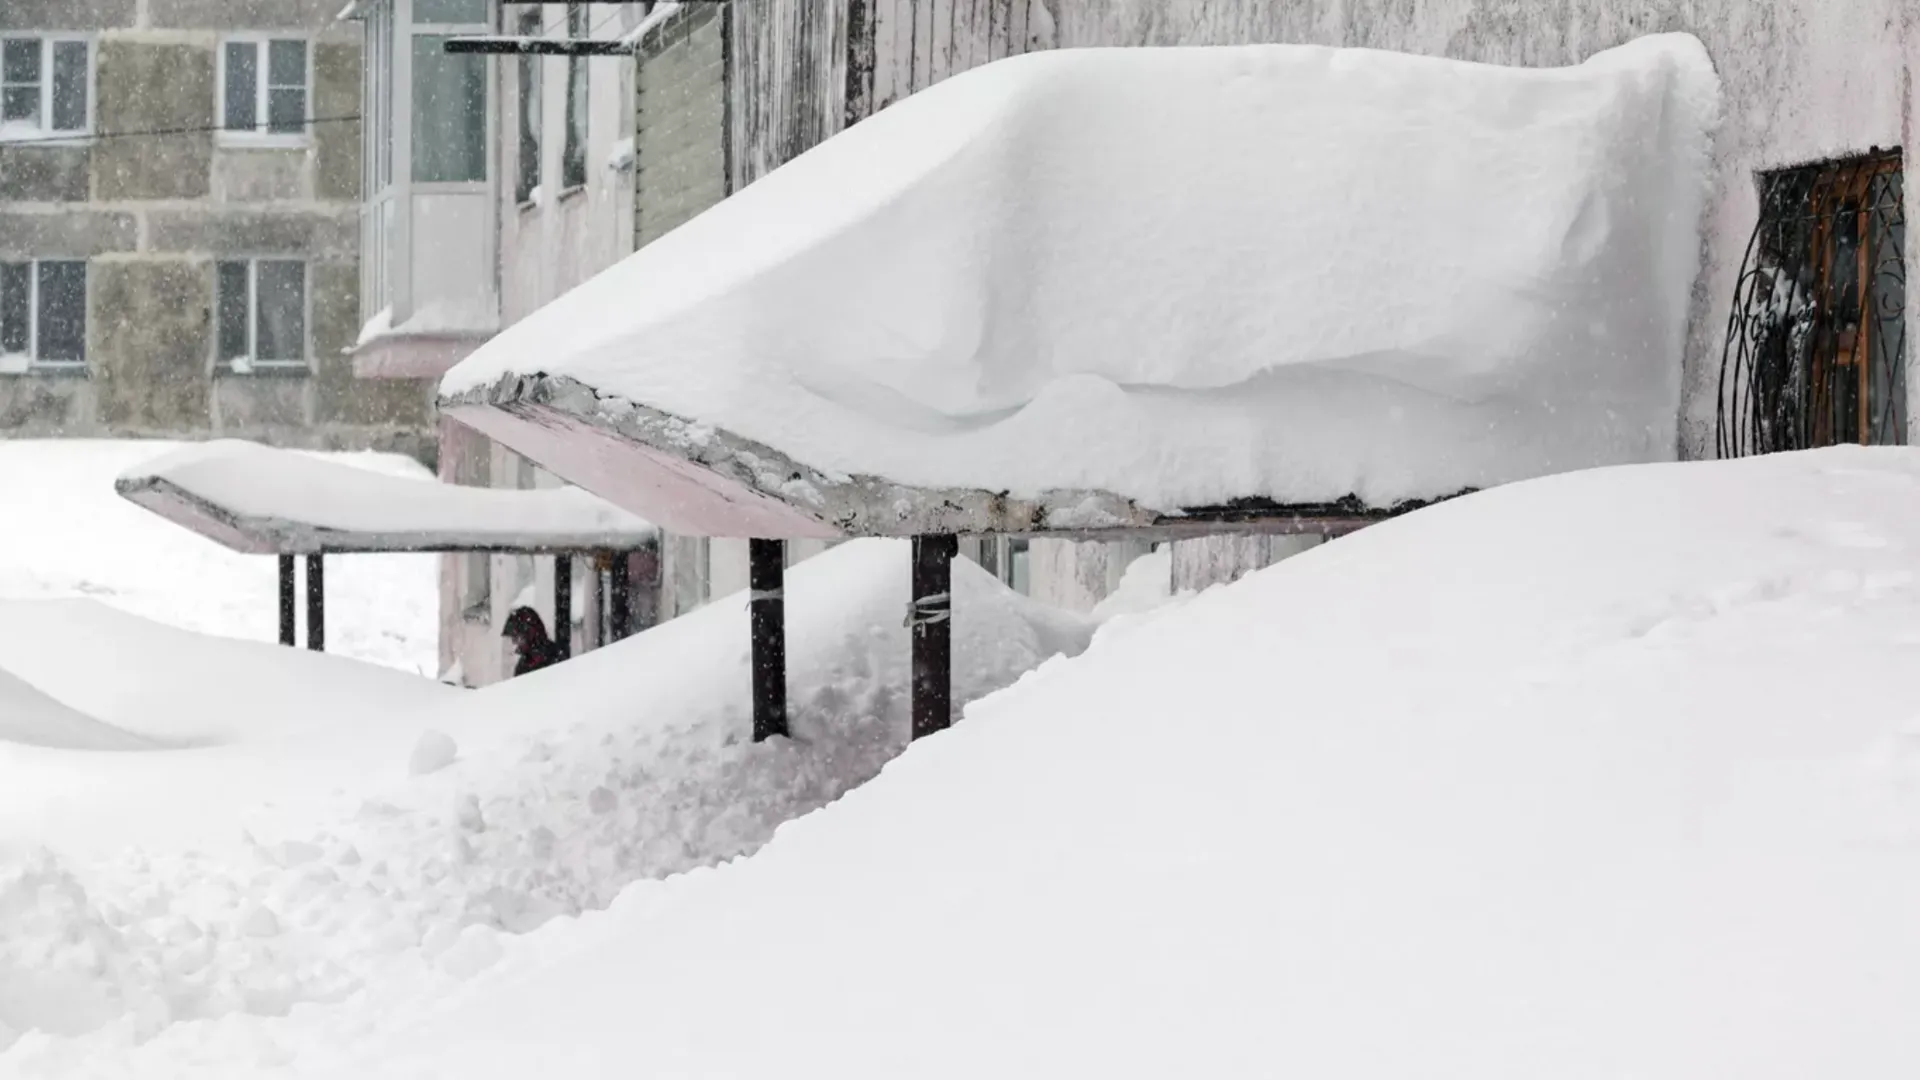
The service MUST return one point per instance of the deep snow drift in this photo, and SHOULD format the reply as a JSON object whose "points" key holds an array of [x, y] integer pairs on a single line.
{"points": [[1184, 276], [168, 921], [67, 534], [1610, 774]]}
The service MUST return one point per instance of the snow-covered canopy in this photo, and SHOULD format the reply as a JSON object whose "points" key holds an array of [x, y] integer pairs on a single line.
{"points": [[1122, 282], [266, 500]]}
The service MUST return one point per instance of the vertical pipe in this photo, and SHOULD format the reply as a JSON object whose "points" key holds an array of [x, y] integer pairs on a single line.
{"points": [[289, 603], [316, 605], [620, 583], [563, 604], [931, 619], [767, 619]]}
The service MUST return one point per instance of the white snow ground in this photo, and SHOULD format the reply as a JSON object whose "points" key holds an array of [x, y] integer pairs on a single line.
{"points": [[162, 918], [1609, 774], [68, 534]]}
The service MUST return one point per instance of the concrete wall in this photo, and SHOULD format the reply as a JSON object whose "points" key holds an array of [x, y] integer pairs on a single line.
{"points": [[151, 213], [680, 118]]}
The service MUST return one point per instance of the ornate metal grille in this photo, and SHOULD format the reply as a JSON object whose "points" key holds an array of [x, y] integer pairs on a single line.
{"points": [[1816, 342]]}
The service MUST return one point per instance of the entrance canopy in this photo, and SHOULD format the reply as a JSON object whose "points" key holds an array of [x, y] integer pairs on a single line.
{"points": [[1145, 291], [263, 500]]}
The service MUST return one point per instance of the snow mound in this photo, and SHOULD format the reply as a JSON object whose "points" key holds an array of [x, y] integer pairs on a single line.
{"points": [[31, 718], [1186, 276], [178, 686], [384, 889], [68, 534], [1519, 786]]}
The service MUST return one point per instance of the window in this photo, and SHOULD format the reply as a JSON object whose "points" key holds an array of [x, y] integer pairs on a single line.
{"points": [[45, 87], [449, 113], [527, 180], [43, 315], [573, 157], [263, 88], [1815, 351], [262, 308]]}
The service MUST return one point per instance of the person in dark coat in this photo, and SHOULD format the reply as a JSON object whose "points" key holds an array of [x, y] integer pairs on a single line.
{"points": [[530, 640]]}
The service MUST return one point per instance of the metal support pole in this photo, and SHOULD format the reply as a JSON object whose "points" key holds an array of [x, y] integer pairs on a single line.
{"points": [[620, 606], [563, 604], [289, 603], [767, 619], [316, 604], [931, 618]]}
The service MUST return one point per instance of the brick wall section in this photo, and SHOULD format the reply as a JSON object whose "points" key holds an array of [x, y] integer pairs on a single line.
{"points": [[152, 215], [681, 124]]}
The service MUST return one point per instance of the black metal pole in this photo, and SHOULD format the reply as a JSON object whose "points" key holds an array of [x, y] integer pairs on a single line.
{"points": [[316, 604], [620, 606], [289, 603], [931, 620], [563, 604], [767, 619]]}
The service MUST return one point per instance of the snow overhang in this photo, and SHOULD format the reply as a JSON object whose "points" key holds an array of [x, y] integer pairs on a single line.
{"points": [[700, 480], [266, 501]]}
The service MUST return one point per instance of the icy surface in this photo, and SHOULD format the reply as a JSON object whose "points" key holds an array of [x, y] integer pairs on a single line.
{"points": [[233, 910], [1188, 275], [283, 486], [67, 534], [1519, 787]]}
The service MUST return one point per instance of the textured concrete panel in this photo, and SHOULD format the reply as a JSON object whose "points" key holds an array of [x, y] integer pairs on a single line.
{"points": [[153, 87], [319, 234], [339, 397], [257, 405], [255, 174], [242, 14], [336, 92], [46, 405], [69, 234], [150, 339], [66, 14], [45, 173]]}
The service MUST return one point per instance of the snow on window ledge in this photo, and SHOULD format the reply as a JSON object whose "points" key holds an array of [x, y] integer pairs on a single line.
{"points": [[242, 365], [262, 140], [25, 364]]}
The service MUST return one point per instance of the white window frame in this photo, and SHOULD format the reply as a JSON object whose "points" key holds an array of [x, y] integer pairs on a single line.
{"points": [[262, 96], [43, 131], [252, 364], [35, 364]]}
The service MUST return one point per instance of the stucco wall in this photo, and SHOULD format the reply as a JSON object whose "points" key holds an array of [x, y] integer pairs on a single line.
{"points": [[151, 214]]}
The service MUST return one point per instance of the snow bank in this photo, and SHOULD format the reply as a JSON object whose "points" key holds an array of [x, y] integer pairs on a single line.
{"points": [[31, 718], [384, 889], [177, 686], [1185, 276], [1521, 786], [261, 494], [67, 534]]}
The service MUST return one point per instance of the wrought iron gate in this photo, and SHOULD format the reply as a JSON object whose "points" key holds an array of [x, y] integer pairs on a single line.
{"points": [[1816, 342]]}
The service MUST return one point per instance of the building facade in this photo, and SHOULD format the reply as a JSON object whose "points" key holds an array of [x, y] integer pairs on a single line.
{"points": [[179, 252], [1796, 333]]}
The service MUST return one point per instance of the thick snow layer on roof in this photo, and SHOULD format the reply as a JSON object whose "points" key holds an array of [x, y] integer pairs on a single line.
{"points": [[265, 498], [68, 534], [1186, 276], [1512, 788]]}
